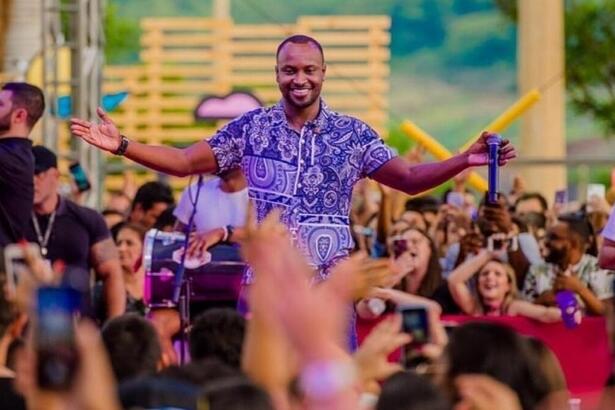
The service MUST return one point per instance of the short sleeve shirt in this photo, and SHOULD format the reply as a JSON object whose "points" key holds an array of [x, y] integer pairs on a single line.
{"points": [[609, 230], [75, 230], [308, 175], [214, 207], [540, 278]]}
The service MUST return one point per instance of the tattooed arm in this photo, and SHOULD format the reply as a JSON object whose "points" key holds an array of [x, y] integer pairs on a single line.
{"points": [[105, 261]]}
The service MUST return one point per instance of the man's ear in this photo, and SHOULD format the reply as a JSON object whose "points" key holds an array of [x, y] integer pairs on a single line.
{"points": [[324, 71], [20, 115]]}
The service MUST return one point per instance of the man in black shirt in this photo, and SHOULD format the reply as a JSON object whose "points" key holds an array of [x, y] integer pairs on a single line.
{"points": [[21, 105], [74, 234]]}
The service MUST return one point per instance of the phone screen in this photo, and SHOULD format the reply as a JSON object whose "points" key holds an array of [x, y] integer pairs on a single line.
{"points": [[15, 263], [55, 337], [561, 197], [415, 322], [79, 176]]}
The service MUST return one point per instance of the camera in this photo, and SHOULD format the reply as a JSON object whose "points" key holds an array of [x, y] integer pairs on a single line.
{"points": [[498, 242]]}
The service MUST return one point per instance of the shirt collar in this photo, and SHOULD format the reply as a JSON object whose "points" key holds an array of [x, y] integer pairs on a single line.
{"points": [[317, 123]]}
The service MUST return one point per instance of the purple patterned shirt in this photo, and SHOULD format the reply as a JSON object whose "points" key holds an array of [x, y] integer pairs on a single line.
{"points": [[309, 175]]}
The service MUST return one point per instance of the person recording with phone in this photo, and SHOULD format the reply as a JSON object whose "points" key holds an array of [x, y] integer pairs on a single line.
{"points": [[76, 235], [496, 226]]}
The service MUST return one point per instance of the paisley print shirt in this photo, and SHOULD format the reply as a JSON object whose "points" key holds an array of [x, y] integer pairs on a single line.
{"points": [[308, 175]]}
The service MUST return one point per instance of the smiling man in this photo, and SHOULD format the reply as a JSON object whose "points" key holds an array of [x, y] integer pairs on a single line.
{"points": [[298, 156]]}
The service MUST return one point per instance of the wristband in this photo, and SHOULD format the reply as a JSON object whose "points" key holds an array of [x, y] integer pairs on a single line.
{"points": [[225, 234], [121, 150]]}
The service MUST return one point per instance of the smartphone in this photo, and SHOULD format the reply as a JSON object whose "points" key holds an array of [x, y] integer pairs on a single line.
{"points": [[57, 357], [400, 246], [15, 263], [497, 242], [415, 322], [561, 197], [80, 177], [455, 199]]}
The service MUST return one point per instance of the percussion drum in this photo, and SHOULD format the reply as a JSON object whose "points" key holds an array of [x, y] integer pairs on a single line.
{"points": [[214, 278]]}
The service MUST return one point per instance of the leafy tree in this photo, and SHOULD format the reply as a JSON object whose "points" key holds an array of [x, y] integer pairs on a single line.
{"points": [[471, 6], [122, 37], [590, 61], [416, 25]]}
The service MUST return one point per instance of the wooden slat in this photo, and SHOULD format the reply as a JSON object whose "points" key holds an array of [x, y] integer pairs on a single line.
{"points": [[185, 40], [262, 30], [174, 56], [181, 23], [344, 22]]}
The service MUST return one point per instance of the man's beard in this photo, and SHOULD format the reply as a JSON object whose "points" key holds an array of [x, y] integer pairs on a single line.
{"points": [[5, 123]]}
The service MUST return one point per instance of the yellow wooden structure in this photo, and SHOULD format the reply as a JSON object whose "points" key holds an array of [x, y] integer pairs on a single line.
{"points": [[184, 59]]}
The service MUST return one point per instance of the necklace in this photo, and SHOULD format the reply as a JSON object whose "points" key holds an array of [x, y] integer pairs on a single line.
{"points": [[43, 240]]}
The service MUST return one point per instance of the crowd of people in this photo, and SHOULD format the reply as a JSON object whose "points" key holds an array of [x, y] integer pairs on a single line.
{"points": [[324, 247]]}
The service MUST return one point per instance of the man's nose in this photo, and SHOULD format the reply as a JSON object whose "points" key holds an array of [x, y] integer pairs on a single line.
{"points": [[299, 78]]}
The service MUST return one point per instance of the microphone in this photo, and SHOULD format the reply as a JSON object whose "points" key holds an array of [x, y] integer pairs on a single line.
{"points": [[493, 147]]}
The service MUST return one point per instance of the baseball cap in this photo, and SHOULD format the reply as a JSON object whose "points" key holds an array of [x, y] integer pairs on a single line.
{"points": [[44, 159]]}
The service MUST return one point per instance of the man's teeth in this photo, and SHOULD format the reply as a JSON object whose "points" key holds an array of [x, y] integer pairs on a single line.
{"points": [[300, 92]]}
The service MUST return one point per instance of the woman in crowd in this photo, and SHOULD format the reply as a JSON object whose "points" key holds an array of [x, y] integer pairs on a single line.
{"points": [[129, 242], [496, 290], [415, 260]]}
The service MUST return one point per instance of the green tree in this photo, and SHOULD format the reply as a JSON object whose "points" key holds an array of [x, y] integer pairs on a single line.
{"points": [[416, 25], [590, 61], [121, 37]]}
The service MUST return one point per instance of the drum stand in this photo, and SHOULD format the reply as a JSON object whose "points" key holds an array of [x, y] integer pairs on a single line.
{"points": [[184, 319], [181, 293]]}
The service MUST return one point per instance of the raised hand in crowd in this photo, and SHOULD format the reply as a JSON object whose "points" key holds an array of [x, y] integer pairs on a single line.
{"points": [[437, 334], [470, 244], [311, 321], [372, 356], [94, 386]]}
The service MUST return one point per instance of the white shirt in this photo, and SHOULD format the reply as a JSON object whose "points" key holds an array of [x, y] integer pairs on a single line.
{"points": [[215, 208], [609, 230]]}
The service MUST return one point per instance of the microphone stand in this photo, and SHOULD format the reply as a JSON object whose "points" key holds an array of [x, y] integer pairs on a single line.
{"points": [[181, 289]]}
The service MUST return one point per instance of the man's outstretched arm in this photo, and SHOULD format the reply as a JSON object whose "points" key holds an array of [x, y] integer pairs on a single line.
{"points": [[413, 179], [198, 158]]}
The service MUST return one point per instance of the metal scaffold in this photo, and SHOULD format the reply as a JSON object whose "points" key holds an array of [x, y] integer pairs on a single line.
{"points": [[76, 25]]}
